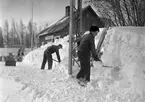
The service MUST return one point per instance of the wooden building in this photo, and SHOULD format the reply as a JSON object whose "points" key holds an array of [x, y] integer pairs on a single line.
{"points": [[61, 28]]}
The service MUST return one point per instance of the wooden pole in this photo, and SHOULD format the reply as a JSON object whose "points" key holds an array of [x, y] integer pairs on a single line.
{"points": [[70, 37], [81, 29], [80, 17]]}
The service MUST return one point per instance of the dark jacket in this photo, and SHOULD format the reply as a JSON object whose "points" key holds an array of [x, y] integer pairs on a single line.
{"points": [[20, 52], [53, 48], [86, 46]]}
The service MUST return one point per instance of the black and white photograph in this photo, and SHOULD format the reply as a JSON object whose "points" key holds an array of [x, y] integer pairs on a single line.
{"points": [[72, 50]]}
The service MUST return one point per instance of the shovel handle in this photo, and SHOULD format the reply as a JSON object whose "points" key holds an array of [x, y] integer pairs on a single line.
{"points": [[55, 60]]}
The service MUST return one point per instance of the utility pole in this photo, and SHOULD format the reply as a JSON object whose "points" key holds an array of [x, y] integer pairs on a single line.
{"points": [[81, 23], [32, 35], [80, 17], [70, 37]]}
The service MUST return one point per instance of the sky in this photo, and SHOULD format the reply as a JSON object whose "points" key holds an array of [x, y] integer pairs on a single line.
{"points": [[43, 10]]}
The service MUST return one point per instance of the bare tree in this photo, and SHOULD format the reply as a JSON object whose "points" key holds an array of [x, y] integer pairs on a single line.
{"points": [[15, 33], [19, 33], [121, 12], [12, 34], [35, 32], [46, 25], [22, 32], [1, 38], [29, 34], [6, 32]]}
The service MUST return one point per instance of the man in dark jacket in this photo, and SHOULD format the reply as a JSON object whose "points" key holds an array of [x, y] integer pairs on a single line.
{"points": [[21, 52], [48, 55], [86, 49]]}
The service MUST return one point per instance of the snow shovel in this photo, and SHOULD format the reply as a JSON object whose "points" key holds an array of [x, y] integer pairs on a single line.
{"points": [[76, 62], [115, 73], [55, 60]]}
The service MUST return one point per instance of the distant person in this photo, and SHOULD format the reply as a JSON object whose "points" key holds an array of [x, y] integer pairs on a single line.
{"points": [[48, 55], [10, 57], [86, 49], [21, 52]]}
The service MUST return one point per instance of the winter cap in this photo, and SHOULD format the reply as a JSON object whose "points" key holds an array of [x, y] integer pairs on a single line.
{"points": [[60, 45], [94, 28]]}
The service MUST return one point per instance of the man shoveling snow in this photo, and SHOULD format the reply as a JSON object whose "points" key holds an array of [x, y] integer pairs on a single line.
{"points": [[48, 55], [85, 46]]}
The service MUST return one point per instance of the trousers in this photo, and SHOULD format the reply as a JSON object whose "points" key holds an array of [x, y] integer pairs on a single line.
{"points": [[47, 57], [85, 67]]}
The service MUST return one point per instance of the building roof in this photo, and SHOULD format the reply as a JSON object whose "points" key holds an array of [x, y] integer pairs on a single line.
{"points": [[56, 27], [62, 23]]}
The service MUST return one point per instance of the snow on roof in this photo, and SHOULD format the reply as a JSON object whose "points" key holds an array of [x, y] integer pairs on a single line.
{"points": [[59, 25]]}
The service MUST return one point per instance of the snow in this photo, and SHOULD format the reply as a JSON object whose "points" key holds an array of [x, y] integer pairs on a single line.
{"points": [[126, 45], [123, 80]]}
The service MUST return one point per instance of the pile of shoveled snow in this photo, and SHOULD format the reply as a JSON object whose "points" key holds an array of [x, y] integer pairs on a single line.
{"points": [[125, 49], [35, 57]]}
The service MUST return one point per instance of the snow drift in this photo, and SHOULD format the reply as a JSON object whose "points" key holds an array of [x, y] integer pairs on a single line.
{"points": [[124, 50]]}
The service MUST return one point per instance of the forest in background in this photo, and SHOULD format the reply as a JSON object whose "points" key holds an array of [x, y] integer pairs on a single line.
{"points": [[16, 33], [120, 12]]}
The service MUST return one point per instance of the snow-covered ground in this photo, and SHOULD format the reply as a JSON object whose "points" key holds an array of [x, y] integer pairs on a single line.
{"points": [[123, 80]]}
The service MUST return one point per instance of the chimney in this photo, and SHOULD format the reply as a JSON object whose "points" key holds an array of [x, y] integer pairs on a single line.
{"points": [[67, 11]]}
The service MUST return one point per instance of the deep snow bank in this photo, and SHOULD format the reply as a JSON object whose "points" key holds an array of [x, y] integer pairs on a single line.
{"points": [[35, 57], [125, 48]]}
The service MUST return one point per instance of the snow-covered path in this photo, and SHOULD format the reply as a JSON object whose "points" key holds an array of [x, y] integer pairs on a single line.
{"points": [[39, 85], [24, 83], [35, 84], [31, 78]]}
